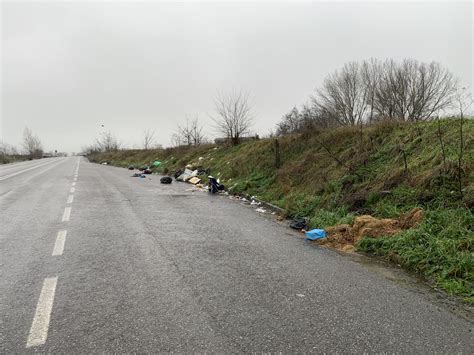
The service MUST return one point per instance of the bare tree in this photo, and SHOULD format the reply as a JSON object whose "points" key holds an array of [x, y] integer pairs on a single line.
{"points": [[148, 138], [7, 149], [344, 96], [412, 91], [290, 123], [107, 142], [32, 144], [234, 115], [190, 134]]}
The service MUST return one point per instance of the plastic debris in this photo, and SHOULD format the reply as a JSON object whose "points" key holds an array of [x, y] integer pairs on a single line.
{"points": [[131, 168], [156, 163], [214, 185], [315, 234], [261, 210], [298, 223]]}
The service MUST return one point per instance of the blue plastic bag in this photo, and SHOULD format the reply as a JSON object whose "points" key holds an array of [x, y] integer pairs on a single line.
{"points": [[315, 234]]}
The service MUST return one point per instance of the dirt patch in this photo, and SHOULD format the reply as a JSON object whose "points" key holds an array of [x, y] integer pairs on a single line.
{"points": [[345, 236]]}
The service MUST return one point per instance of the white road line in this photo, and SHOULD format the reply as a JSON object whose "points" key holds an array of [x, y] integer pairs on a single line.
{"points": [[59, 245], [22, 171], [67, 214], [70, 198], [72, 190], [75, 179], [73, 184], [40, 325]]}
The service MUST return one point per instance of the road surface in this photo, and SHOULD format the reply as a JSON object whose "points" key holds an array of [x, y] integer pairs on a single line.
{"points": [[94, 260]]}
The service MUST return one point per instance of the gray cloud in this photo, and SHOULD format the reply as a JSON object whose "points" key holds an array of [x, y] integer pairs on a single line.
{"points": [[68, 68]]}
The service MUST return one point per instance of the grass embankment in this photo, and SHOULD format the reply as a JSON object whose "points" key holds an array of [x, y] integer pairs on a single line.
{"points": [[383, 170], [7, 159]]}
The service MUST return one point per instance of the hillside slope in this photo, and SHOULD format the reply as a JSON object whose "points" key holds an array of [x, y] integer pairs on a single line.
{"points": [[331, 176]]}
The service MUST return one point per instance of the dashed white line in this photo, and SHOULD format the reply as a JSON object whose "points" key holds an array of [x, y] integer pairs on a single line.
{"points": [[67, 214], [70, 198], [72, 190], [73, 184], [59, 244], [40, 325]]}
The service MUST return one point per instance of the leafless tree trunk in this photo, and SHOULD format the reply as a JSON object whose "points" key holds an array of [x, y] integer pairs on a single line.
{"points": [[191, 133], [443, 150], [107, 142], [234, 115], [32, 144], [464, 101], [148, 138]]}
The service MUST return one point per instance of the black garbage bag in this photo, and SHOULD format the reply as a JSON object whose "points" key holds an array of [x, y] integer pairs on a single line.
{"points": [[131, 167], [298, 223], [214, 186], [166, 180], [178, 173], [147, 171]]}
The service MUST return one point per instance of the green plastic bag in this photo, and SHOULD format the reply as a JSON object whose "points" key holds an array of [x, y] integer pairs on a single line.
{"points": [[156, 163]]}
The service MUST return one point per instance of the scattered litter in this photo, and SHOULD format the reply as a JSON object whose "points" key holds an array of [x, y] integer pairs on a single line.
{"points": [[201, 158], [131, 167], [186, 175], [105, 163], [156, 163], [255, 203], [194, 180], [143, 176], [261, 210], [147, 171], [136, 175], [315, 234], [214, 185], [243, 199], [166, 180], [298, 223]]}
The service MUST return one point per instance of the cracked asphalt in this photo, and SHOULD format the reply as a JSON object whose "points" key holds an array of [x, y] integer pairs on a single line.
{"points": [[147, 267]]}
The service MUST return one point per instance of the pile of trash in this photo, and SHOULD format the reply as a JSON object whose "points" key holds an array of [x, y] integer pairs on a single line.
{"points": [[145, 170], [345, 236], [191, 176]]}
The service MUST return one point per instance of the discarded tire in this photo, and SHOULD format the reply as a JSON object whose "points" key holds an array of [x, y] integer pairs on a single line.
{"points": [[131, 168], [166, 180]]}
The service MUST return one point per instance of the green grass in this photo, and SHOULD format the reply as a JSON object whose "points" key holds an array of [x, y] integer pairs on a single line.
{"points": [[441, 248], [7, 159], [363, 173]]}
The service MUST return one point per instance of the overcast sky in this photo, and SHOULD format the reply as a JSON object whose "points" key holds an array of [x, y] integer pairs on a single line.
{"points": [[70, 67]]}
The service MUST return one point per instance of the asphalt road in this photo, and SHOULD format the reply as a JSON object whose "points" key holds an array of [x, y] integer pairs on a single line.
{"points": [[130, 265]]}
